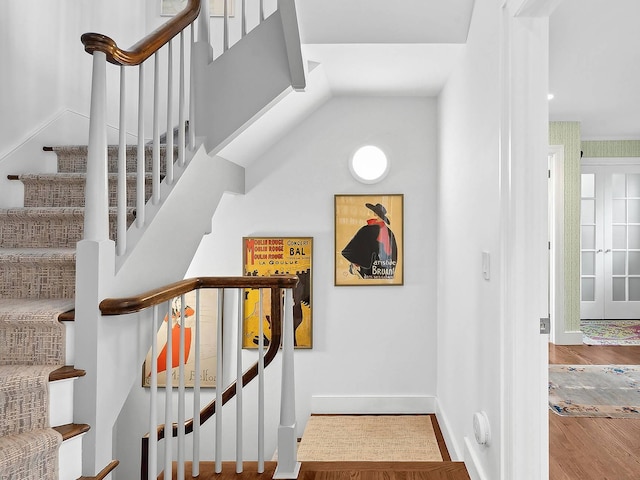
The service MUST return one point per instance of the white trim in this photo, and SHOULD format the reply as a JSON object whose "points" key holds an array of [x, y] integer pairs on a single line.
{"points": [[373, 404], [471, 461], [609, 161], [449, 439]]}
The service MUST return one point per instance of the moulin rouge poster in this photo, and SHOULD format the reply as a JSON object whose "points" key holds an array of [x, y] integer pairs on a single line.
{"points": [[265, 256]]}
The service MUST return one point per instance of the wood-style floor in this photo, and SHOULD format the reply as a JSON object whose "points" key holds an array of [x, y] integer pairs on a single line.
{"points": [[445, 470], [593, 448]]}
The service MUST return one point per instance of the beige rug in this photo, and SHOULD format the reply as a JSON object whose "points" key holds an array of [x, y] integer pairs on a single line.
{"points": [[375, 438]]}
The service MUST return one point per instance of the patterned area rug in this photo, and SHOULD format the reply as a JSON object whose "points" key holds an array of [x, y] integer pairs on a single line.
{"points": [[611, 332], [595, 390], [380, 438]]}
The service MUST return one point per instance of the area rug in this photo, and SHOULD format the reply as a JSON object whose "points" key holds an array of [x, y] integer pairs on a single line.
{"points": [[595, 390], [610, 332], [369, 438]]}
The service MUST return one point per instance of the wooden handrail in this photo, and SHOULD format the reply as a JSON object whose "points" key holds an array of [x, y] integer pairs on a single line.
{"points": [[276, 283], [148, 45], [252, 372], [121, 306]]}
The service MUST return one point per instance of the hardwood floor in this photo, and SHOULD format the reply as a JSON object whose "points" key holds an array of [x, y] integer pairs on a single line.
{"points": [[445, 470], [593, 448]]}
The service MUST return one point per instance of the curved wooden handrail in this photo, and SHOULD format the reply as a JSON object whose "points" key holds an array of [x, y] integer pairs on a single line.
{"points": [[276, 283], [148, 45], [121, 306]]}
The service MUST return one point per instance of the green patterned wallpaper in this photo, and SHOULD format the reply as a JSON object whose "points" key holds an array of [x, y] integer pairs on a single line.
{"points": [[611, 148], [568, 134]]}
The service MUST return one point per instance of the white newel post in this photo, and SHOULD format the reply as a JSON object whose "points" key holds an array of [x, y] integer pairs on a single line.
{"points": [[96, 219], [95, 260], [288, 465]]}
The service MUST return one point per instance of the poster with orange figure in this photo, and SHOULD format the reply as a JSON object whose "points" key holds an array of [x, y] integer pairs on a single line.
{"points": [[208, 304], [265, 256], [369, 240]]}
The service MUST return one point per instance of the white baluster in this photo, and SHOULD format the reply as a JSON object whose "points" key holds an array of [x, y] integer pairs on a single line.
{"points": [[219, 382], [261, 385], [244, 17], [181, 105], [141, 156], [152, 460], [226, 26], [239, 392], [96, 222], [192, 100], [181, 392], [288, 465], [168, 407], [195, 468], [121, 203], [155, 168], [169, 134]]}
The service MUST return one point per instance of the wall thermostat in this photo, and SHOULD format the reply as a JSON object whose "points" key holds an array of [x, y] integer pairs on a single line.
{"points": [[481, 428]]}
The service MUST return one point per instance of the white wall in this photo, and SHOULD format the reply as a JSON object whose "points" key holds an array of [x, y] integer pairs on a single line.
{"points": [[378, 341], [469, 345], [46, 79]]}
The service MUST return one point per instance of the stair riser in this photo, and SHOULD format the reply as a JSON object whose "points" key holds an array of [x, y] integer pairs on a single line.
{"points": [[32, 344], [15, 393], [47, 232], [42, 454], [38, 280], [68, 193], [74, 160]]}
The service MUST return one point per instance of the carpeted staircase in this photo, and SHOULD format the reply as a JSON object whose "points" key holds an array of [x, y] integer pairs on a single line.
{"points": [[37, 285]]}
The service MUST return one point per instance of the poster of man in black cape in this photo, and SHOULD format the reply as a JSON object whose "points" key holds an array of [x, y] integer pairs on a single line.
{"points": [[369, 254]]}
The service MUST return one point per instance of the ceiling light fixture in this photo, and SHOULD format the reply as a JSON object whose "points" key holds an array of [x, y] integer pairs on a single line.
{"points": [[549, 96], [369, 164]]}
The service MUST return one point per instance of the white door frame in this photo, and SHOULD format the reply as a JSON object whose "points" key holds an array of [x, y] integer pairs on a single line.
{"points": [[524, 130]]}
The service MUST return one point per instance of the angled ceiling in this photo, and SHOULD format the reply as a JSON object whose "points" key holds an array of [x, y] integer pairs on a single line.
{"points": [[594, 67], [363, 47]]}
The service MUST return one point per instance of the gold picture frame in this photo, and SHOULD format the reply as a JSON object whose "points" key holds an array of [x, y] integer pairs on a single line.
{"points": [[369, 233], [208, 334], [265, 256]]}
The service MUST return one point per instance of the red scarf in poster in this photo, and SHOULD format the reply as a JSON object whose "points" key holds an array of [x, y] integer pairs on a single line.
{"points": [[383, 235]]}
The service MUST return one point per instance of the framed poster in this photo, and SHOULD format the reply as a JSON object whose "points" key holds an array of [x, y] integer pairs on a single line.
{"points": [[216, 7], [369, 240], [208, 329], [265, 256]]}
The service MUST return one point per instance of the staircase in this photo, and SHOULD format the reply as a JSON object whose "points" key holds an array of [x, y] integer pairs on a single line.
{"points": [[37, 259]]}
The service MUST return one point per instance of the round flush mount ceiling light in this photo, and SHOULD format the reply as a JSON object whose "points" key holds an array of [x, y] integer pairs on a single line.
{"points": [[369, 164]]}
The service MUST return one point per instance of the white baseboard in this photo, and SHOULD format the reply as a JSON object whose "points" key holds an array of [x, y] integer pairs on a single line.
{"points": [[445, 427], [372, 404], [474, 467], [568, 338]]}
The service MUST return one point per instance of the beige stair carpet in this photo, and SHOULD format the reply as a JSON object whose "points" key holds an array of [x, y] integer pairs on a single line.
{"points": [[369, 438]]}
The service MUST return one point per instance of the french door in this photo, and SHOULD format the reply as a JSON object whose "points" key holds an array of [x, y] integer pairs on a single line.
{"points": [[610, 242]]}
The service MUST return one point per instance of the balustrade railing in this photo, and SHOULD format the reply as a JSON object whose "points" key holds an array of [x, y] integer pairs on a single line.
{"points": [[165, 63], [169, 302]]}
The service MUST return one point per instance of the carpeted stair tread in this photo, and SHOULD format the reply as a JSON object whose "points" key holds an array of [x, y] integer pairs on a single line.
{"points": [[31, 255], [73, 158], [30, 455], [37, 273], [30, 332], [34, 309], [48, 226], [68, 189], [24, 398]]}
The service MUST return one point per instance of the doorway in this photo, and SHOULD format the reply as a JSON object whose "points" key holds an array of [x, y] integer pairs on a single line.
{"points": [[610, 240]]}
